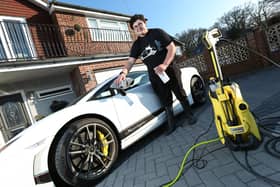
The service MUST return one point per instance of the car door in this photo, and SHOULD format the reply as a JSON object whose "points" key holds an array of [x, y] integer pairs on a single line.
{"points": [[140, 103]]}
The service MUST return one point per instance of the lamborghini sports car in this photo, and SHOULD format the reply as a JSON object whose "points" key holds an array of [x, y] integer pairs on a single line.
{"points": [[78, 145]]}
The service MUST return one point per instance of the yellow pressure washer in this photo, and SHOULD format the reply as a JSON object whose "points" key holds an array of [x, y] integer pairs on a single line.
{"points": [[235, 123]]}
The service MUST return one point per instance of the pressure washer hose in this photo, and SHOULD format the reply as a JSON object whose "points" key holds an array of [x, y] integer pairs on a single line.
{"points": [[171, 183]]}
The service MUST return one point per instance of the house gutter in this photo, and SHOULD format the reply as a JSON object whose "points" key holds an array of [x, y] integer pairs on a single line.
{"points": [[63, 7], [41, 4], [54, 63]]}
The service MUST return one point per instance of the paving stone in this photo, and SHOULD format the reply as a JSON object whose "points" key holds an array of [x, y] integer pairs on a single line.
{"points": [[148, 149], [101, 183], [119, 181], [144, 178], [156, 182], [161, 169], [172, 171], [268, 160], [131, 163], [245, 176], [164, 158], [276, 179], [177, 151], [199, 185], [140, 184], [223, 157], [150, 167], [232, 180], [111, 179], [209, 179], [174, 161], [226, 169], [126, 172], [212, 164], [258, 183], [263, 169], [146, 155], [128, 182], [140, 164], [135, 174], [191, 177], [154, 156], [180, 183]]}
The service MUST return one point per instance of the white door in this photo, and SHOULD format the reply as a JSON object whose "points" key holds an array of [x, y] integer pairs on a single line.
{"points": [[140, 103], [13, 115]]}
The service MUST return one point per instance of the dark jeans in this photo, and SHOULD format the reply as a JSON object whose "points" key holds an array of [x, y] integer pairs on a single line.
{"points": [[164, 91]]}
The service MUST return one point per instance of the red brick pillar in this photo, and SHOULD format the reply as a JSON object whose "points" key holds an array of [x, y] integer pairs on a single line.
{"points": [[83, 79], [77, 82], [209, 64], [257, 41]]}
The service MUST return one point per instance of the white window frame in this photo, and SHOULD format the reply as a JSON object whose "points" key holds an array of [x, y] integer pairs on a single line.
{"points": [[56, 93], [6, 42], [179, 51], [104, 33]]}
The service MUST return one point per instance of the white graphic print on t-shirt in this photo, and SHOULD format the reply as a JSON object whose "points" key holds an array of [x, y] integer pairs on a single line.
{"points": [[148, 51]]}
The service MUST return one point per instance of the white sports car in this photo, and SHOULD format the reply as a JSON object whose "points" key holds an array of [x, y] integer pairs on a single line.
{"points": [[79, 144]]}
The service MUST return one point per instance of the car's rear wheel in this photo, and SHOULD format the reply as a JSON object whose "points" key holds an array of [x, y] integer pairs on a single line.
{"points": [[85, 152], [198, 90]]}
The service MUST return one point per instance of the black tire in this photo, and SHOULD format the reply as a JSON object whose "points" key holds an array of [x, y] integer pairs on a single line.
{"points": [[198, 90], [84, 153]]}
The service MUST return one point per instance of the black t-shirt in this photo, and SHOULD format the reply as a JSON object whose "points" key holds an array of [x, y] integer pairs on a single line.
{"points": [[151, 48]]}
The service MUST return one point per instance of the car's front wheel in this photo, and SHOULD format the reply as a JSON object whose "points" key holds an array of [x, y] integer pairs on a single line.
{"points": [[85, 152], [198, 90]]}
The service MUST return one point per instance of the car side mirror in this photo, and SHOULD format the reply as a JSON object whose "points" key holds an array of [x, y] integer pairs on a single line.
{"points": [[122, 92], [125, 84]]}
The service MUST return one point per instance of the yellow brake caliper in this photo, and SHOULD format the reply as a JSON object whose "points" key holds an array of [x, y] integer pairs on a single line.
{"points": [[104, 142]]}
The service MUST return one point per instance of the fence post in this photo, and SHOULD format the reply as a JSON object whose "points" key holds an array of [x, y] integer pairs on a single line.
{"points": [[257, 42], [210, 69]]}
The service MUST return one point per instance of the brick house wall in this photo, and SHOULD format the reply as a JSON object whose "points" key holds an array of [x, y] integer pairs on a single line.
{"points": [[80, 43]]}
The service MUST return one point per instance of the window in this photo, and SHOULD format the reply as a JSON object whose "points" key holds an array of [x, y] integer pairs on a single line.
{"points": [[2, 52], [104, 94], [108, 30], [15, 40], [179, 51], [105, 91], [54, 92]]}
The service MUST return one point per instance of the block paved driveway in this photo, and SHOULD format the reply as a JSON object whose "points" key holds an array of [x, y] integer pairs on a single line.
{"points": [[156, 158]]}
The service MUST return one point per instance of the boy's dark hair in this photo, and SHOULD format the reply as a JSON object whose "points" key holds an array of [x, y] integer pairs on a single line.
{"points": [[135, 18]]}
